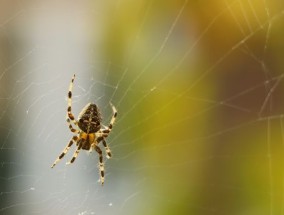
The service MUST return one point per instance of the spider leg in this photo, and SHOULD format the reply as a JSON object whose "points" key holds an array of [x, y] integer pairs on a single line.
{"points": [[74, 139], [109, 127], [75, 154], [70, 117], [71, 127], [101, 164], [108, 152]]}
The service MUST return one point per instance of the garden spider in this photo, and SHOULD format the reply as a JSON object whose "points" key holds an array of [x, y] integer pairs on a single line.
{"points": [[89, 133]]}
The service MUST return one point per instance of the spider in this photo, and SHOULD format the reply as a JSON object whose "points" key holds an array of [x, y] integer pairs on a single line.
{"points": [[89, 131]]}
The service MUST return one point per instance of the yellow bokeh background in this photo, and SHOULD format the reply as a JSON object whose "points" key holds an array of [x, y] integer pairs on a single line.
{"points": [[208, 120]]}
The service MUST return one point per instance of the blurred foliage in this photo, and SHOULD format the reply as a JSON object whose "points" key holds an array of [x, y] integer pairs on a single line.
{"points": [[203, 71]]}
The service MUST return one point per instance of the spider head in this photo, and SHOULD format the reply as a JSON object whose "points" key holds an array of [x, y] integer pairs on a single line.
{"points": [[89, 120]]}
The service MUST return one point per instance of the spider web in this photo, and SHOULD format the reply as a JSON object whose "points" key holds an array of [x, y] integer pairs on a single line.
{"points": [[198, 88]]}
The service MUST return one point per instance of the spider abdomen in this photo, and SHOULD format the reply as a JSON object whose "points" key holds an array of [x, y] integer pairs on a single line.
{"points": [[89, 120]]}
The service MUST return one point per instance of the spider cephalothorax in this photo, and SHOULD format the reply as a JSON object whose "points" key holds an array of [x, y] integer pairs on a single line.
{"points": [[89, 133]]}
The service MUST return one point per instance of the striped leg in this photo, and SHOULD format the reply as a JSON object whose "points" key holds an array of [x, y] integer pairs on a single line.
{"points": [[101, 164], [108, 129], [71, 127], [70, 117], [75, 154], [108, 152], [74, 139]]}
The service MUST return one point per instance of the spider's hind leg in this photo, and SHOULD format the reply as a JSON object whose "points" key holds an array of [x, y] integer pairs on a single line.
{"points": [[108, 129], [70, 117]]}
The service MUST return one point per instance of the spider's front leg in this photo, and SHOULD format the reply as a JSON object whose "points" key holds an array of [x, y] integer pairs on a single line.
{"points": [[74, 139], [101, 164], [75, 154], [108, 152]]}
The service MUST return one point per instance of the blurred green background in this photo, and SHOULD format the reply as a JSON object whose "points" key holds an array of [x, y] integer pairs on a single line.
{"points": [[199, 90]]}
